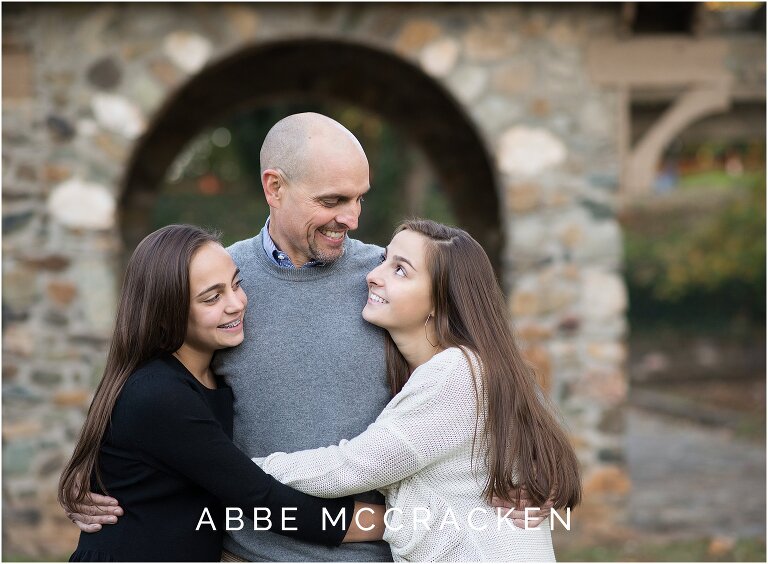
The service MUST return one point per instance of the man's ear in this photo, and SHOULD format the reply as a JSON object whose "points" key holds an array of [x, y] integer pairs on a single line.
{"points": [[273, 183]]}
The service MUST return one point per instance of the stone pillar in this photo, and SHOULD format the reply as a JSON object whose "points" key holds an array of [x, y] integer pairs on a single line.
{"points": [[558, 161], [59, 250]]}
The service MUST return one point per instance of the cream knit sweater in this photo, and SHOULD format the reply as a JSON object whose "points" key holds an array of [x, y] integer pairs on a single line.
{"points": [[418, 453]]}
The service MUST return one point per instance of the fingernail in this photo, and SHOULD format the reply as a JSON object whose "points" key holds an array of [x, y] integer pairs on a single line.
{"points": [[111, 519], [118, 511]]}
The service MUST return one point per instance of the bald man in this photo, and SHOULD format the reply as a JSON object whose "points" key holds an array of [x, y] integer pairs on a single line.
{"points": [[314, 174], [311, 371]]}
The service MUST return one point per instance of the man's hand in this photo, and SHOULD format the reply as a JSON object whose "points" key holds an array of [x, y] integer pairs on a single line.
{"points": [[103, 510], [370, 518], [535, 517]]}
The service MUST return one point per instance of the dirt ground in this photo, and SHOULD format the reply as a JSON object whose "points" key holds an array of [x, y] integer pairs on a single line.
{"points": [[698, 489]]}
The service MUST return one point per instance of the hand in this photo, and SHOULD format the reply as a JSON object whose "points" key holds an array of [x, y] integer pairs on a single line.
{"points": [[535, 517], [371, 522], [103, 510]]}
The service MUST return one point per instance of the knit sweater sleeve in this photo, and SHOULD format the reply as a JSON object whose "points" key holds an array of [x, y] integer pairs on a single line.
{"points": [[433, 416]]}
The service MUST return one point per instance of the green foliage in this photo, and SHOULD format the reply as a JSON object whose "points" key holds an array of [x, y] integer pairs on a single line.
{"points": [[700, 251], [237, 215]]}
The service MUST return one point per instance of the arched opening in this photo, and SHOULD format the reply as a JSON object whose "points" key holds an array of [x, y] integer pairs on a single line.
{"points": [[330, 71]]}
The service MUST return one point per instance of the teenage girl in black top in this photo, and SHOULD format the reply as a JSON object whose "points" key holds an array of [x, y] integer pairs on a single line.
{"points": [[158, 433]]}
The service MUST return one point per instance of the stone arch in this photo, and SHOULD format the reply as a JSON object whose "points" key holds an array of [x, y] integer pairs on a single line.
{"points": [[333, 70]]}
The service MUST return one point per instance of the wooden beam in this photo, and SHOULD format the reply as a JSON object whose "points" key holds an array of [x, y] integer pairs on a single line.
{"points": [[659, 61]]}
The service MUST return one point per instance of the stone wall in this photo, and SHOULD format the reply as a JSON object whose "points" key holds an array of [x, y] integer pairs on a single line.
{"points": [[87, 80]]}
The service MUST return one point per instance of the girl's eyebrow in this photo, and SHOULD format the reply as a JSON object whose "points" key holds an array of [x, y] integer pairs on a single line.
{"points": [[218, 286], [214, 287], [398, 258]]}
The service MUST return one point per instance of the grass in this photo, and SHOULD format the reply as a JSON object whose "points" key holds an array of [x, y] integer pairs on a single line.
{"points": [[718, 179], [693, 550]]}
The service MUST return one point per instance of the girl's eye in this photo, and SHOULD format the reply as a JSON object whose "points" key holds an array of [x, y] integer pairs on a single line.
{"points": [[382, 258], [238, 283], [212, 300], [400, 271]]}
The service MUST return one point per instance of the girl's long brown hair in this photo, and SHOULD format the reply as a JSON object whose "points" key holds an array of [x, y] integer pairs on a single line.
{"points": [[152, 316], [525, 444]]}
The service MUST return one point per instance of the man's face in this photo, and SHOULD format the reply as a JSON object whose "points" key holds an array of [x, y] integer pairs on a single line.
{"points": [[317, 210]]}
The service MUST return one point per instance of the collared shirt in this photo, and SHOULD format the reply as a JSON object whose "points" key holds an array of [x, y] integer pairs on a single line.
{"points": [[280, 258]]}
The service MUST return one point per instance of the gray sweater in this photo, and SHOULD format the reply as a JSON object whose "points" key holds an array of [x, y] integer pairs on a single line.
{"points": [[310, 372]]}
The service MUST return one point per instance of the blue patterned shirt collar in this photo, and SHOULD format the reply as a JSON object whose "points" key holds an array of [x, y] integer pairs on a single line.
{"points": [[280, 258]]}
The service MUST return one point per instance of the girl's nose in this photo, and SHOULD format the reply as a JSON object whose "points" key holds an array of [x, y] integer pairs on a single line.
{"points": [[374, 276]]}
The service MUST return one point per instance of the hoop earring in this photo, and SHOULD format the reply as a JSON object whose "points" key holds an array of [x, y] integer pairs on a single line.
{"points": [[425, 330]]}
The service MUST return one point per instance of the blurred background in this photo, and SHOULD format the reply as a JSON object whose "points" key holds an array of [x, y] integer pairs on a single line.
{"points": [[610, 158]]}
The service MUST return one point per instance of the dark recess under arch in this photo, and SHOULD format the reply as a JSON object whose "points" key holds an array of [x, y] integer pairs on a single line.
{"points": [[323, 70]]}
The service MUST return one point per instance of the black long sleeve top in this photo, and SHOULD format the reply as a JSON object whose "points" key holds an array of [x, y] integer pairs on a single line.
{"points": [[167, 455]]}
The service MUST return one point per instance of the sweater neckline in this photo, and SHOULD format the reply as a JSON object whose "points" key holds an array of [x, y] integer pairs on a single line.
{"points": [[297, 274], [445, 352], [171, 360]]}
